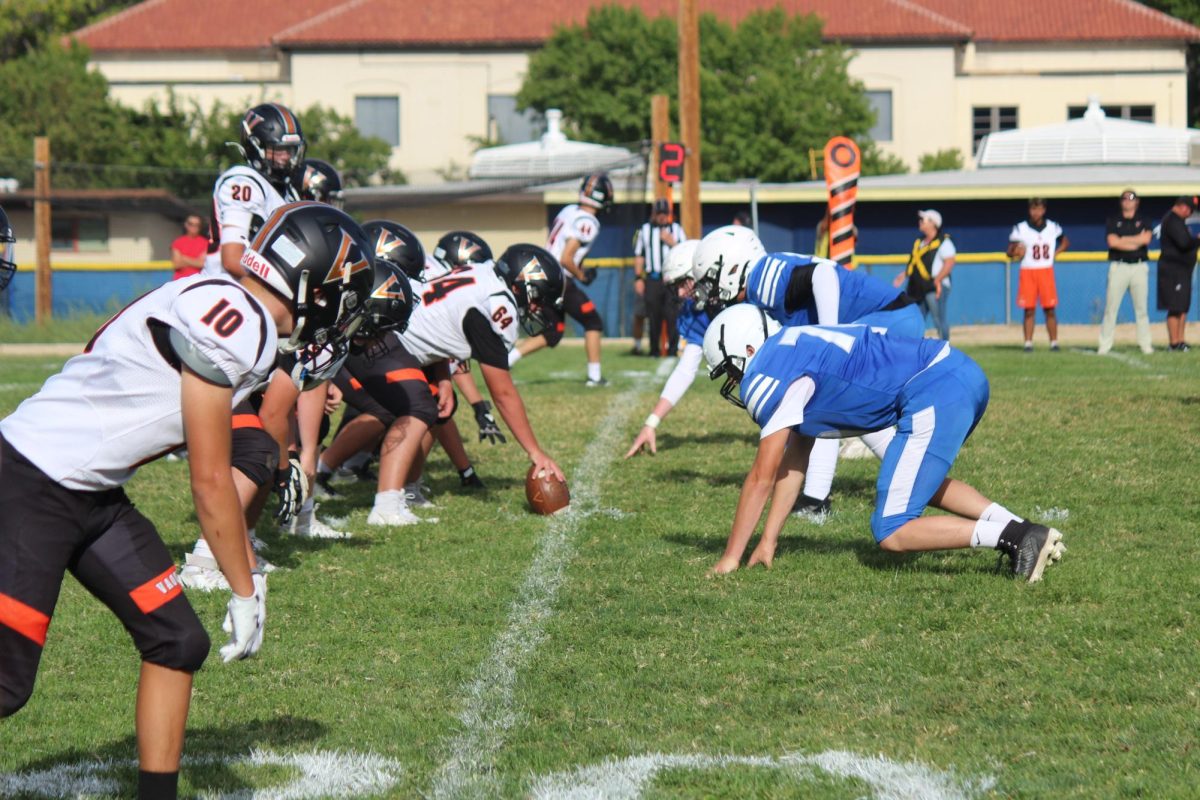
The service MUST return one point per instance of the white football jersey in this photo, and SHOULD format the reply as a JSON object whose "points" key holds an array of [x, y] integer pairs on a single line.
{"points": [[242, 199], [1039, 245], [117, 405], [435, 329], [573, 222]]}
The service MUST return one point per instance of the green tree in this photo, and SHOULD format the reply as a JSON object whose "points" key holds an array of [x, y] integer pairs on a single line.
{"points": [[771, 88], [942, 160], [26, 25]]}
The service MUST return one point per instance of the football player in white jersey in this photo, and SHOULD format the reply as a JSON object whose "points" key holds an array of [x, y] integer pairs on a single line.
{"points": [[472, 312], [1037, 241], [571, 237], [167, 369]]}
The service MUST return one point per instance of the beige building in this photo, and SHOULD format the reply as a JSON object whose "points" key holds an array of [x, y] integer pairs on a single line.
{"points": [[434, 79]]}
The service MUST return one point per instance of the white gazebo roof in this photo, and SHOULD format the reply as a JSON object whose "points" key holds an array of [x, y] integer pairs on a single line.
{"points": [[553, 156], [1094, 139]]}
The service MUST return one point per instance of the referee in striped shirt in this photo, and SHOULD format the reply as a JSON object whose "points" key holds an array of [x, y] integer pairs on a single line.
{"points": [[653, 242]]}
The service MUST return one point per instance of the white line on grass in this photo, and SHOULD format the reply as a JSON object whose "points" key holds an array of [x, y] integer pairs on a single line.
{"points": [[629, 778], [1127, 360], [488, 709]]}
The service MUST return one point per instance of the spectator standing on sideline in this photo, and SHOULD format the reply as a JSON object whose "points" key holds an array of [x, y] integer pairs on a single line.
{"points": [[1128, 243], [1037, 241], [650, 249], [188, 251], [1175, 270], [929, 268]]}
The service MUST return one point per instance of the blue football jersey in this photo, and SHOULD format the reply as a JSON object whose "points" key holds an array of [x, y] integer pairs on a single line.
{"points": [[859, 375], [858, 293], [692, 323]]}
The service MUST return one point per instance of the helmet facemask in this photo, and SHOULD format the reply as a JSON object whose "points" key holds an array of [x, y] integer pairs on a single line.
{"points": [[8, 267], [733, 367]]}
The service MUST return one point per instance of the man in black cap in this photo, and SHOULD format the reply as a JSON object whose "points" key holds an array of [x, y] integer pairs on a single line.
{"points": [[1175, 269], [1128, 236], [651, 246]]}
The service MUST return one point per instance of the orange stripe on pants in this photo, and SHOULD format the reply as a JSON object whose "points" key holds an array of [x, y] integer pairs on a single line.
{"points": [[157, 591], [246, 421], [397, 375], [587, 307], [25, 620]]}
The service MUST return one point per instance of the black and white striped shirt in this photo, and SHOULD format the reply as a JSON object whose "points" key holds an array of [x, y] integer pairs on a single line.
{"points": [[649, 244]]}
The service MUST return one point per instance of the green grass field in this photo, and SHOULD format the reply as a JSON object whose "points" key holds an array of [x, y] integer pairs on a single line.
{"points": [[500, 654]]}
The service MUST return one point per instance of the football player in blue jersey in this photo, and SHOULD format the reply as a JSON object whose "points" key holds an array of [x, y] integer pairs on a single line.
{"points": [[692, 322], [797, 289], [808, 382]]}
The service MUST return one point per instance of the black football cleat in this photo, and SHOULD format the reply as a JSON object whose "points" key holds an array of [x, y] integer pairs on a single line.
{"points": [[1031, 548], [811, 508]]}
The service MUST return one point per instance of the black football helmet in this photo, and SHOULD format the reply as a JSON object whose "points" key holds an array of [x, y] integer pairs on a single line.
{"points": [[459, 248], [8, 240], [536, 281], [319, 181], [268, 129], [397, 244], [596, 191], [317, 259], [390, 304]]}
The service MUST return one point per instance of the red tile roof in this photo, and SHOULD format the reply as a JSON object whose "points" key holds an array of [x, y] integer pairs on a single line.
{"points": [[1063, 20], [178, 25]]}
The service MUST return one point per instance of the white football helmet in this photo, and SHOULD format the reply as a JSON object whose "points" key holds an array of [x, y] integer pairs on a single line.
{"points": [[679, 261], [726, 255], [732, 338]]}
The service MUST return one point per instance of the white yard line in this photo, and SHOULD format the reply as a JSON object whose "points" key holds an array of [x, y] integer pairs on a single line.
{"points": [[1128, 360], [489, 712]]}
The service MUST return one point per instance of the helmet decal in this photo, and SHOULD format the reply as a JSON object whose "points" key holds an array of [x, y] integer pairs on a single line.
{"points": [[341, 271]]}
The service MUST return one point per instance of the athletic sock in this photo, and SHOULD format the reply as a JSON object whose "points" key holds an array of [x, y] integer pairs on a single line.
{"points": [[158, 785], [323, 468], [465, 474], [514, 356], [593, 370], [987, 533], [822, 463], [998, 513]]}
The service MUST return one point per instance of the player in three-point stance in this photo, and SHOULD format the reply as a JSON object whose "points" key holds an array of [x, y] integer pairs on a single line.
{"points": [[801, 383], [167, 369], [571, 236], [797, 289]]}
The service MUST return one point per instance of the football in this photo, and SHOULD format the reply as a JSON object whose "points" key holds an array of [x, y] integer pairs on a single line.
{"points": [[545, 493], [1018, 250]]}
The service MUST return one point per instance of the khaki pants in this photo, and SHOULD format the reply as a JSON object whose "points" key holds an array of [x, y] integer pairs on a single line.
{"points": [[1134, 278]]}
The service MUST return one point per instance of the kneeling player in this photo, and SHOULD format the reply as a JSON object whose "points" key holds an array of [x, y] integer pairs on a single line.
{"points": [[804, 382], [170, 367]]}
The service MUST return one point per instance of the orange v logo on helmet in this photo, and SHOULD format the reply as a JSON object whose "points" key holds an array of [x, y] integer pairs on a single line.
{"points": [[341, 271], [385, 292], [533, 271], [386, 243], [251, 120]]}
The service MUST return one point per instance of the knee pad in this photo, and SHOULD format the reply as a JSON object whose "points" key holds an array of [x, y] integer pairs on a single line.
{"points": [[185, 649], [554, 332], [255, 454], [590, 317]]}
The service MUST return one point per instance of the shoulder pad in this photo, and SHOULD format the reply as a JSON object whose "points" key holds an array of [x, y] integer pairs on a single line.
{"points": [[195, 360]]}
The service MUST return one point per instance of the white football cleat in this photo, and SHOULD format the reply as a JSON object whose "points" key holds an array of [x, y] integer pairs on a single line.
{"points": [[202, 574], [396, 517], [306, 525]]}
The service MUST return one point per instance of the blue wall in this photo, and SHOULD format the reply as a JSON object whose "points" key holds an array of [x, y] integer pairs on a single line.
{"points": [[74, 292]]}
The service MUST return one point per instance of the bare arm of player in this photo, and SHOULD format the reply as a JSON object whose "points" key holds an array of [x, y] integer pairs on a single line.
{"points": [[512, 409], [568, 259], [788, 482], [445, 389], [276, 411], [465, 383], [310, 410], [755, 491], [207, 424], [231, 258]]}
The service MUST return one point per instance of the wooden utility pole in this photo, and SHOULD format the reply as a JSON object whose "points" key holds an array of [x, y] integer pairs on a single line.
{"points": [[43, 295], [689, 113], [660, 131]]}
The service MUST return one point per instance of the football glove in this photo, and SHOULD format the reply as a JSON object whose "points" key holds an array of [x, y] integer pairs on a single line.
{"points": [[589, 275], [244, 620], [292, 487], [488, 429]]}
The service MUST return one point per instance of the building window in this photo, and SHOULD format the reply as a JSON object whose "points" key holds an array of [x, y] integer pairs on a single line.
{"points": [[1135, 113], [79, 234], [990, 119], [378, 116], [881, 104], [507, 125]]}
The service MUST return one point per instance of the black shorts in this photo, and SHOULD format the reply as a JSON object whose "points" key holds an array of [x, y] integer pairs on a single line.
{"points": [[47, 530], [1174, 288], [255, 452], [387, 387], [579, 307]]}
